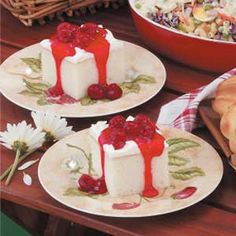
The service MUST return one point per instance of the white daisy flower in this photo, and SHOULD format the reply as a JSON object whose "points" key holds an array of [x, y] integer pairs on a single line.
{"points": [[23, 139], [53, 125], [21, 136]]}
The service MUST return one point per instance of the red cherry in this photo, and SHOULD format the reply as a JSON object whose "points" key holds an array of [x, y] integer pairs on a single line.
{"points": [[102, 32], [65, 36], [117, 122], [63, 26], [82, 39], [131, 129], [141, 118], [90, 185], [118, 139], [100, 186], [65, 32], [96, 91], [86, 183], [113, 91], [90, 28], [146, 130]]}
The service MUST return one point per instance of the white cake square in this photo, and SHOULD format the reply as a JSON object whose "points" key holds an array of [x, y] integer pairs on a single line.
{"points": [[79, 71], [124, 168]]}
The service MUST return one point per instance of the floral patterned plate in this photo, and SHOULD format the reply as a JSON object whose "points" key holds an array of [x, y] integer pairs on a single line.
{"points": [[194, 166], [22, 84]]}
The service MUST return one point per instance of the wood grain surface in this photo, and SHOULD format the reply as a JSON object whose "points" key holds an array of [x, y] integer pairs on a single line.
{"points": [[215, 215]]}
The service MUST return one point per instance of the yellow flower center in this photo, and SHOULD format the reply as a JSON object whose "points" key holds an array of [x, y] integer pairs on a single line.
{"points": [[22, 146], [48, 136]]}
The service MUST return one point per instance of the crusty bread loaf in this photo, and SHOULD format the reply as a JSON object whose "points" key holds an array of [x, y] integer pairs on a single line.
{"points": [[228, 122], [225, 96], [228, 126], [225, 105]]}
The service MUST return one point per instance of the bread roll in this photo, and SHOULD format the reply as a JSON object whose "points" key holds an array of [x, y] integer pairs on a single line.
{"points": [[225, 96], [228, 122], [225, 105]]}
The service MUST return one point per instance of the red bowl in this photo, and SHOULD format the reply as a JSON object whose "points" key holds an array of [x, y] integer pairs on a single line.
{"points": [[207, 54]]}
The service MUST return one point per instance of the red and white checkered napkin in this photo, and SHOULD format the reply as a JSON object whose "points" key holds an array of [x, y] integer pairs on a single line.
{"points": [[182, 112]]}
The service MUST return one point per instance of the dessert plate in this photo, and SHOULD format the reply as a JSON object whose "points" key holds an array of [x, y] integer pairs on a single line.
{"points": [[138, 60], [193, 177]]}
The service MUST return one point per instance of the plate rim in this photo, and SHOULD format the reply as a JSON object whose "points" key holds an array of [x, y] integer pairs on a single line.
{"points": [[6, 95], [125, 215]]}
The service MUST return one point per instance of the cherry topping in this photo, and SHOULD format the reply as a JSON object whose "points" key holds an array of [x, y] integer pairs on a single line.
{"points": [[66, 32], [147, 131], [118, 139], [131, 129], [87, 183], [87, 33], [117, 122], [90, 185], [141, 118], [113, 91], [63, 26], [96, 91], [100, 186], [146, 127], [80, 36], [89, 28], [82, 39]]}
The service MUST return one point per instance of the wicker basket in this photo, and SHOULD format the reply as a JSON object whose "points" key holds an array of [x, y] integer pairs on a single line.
{"points": [[28, 11]]}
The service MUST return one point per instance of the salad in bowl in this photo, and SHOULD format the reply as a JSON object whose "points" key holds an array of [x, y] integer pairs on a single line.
{"points": [[197, 33], [213, 19]]}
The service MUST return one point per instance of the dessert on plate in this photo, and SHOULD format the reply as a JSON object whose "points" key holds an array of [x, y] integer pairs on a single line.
{"points": [[130, 156], [79, 56]]}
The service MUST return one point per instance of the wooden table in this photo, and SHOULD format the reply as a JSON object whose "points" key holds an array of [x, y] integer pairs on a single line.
{"points": [[215, 215]]}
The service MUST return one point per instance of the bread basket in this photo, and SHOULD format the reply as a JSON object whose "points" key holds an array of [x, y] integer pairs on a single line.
{"points": [[29, 11]]}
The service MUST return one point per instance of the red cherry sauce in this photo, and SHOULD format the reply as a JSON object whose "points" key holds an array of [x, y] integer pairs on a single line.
{"points": [[149, 148], [103, 139], [100, 49], [60, 50]]}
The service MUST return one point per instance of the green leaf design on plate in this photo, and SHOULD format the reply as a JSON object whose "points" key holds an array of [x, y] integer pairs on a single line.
{"points": [[175, 160], [30, 93], [33, 63], [144, 79], [86, 101], [38, 87], [77, 171], [42, 101], [130, 87], [178, 144], [186, 174], [88, 156], [76, 192]]}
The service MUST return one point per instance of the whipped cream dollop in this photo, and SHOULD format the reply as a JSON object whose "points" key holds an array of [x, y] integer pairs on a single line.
{"points": [[130, 148], [81, 54]]}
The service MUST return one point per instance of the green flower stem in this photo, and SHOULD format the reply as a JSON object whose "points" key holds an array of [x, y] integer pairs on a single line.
{"points": [[22, 158], [13, 169]]}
